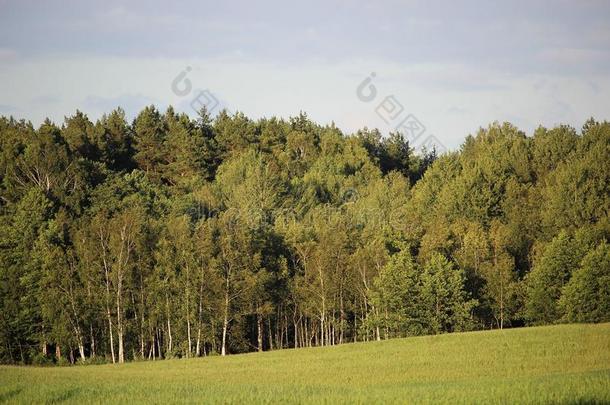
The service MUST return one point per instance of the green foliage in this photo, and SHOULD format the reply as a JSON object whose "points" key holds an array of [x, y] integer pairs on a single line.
{"points": [[586, 297], [396, 297], [113, 140], [550, 274], [447, 307], [78, 135], [410, 300], [149, 135], [173, 237], [577, 193]]}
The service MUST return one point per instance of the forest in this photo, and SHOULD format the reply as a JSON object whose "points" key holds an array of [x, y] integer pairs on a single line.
{"points": [[177, 237]]}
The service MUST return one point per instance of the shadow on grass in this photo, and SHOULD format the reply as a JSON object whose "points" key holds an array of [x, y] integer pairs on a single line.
{"points": [[586, 401], [62, 396], [5, 396]]}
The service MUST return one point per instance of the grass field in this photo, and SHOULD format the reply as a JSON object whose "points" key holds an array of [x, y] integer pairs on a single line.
{"points": [[556, 364]]}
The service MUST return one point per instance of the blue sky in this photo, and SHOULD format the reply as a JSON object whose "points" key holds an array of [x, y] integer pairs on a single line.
{"points": [[455, 66]]}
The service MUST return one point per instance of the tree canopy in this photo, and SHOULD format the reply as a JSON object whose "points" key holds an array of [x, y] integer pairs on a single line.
{"points": [[178, 237]]}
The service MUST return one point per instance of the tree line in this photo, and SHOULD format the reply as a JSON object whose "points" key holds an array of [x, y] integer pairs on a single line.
{"points": [[178, 237]]}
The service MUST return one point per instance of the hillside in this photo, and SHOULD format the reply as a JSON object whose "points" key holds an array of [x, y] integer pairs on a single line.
{"points": [[566, 363]]}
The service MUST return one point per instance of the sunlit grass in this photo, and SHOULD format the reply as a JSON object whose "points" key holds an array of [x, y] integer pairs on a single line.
{"points": [[565, 364]]}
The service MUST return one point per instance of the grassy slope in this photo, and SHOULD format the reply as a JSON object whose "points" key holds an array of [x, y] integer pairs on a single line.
{"points": [[567, 363]]}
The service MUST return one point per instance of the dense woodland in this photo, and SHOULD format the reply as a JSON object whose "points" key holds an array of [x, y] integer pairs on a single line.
{"points": [[173, 237]]}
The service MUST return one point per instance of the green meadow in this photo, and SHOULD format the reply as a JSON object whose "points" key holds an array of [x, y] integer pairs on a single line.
{"points": [[551, 364]]}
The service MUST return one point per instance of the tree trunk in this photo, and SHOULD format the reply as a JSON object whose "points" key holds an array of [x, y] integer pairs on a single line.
{"points": [[377, 326], [322, 330], [225, 322], [213, 342], [198, 344], [323, 314], [342, 317], [270, 335], [259, 331], [107, 276], [386, 324], [110, 332], [81, 350], [169, 326], [121, 347], [109, 316], [142, 326], [188, 331], [501, 285], [119, 322], [77, 330], [286, 335], [188, 313], [158, 344], [92, 341], [200, 315]]}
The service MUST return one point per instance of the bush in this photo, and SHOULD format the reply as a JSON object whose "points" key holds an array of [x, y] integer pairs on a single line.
{"points": [[40, 359], [62, 362]]}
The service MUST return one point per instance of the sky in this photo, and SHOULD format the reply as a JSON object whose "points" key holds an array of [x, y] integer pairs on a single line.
{"points": [[435, 69]]}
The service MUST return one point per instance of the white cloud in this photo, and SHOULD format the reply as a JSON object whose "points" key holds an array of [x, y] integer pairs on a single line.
{"points": [[451, 100]]}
